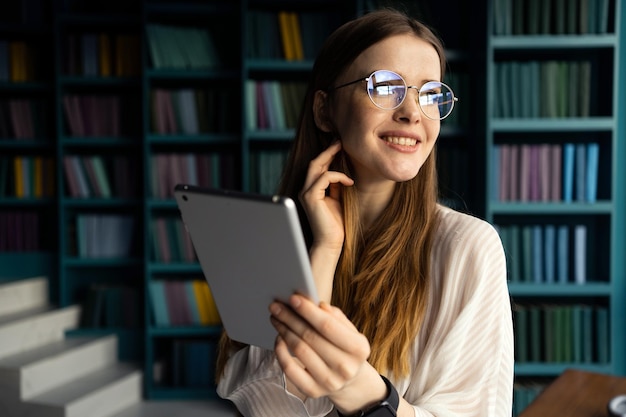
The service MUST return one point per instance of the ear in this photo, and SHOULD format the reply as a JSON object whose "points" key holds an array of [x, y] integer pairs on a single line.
{"points": [[320, 111]]}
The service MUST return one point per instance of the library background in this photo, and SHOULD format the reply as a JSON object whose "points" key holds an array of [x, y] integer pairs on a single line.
{"points": [[105, 105]]}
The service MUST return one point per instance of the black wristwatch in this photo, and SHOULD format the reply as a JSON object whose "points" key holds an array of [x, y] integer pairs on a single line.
{"points": [[385, 408]]}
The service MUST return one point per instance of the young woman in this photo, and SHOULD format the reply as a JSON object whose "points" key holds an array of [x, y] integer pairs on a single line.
{"points": [[415, 318]]}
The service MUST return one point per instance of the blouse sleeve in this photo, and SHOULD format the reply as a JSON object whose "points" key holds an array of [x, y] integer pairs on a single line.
{"points": [[464, 356], [255, 383]]}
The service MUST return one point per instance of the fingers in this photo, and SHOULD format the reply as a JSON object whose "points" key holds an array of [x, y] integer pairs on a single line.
{"points": [[322, 340], [330, 323], [318, 175], [323, 333]]}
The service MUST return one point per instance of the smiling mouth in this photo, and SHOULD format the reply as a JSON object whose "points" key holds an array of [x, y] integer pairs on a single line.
{"points": [[396, 140]]}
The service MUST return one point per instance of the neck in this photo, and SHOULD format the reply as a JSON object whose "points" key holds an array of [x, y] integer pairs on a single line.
{"points": [[373, 200]]}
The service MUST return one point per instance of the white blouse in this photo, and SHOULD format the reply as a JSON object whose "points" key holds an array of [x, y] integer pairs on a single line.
{"points": [[462, 361]]}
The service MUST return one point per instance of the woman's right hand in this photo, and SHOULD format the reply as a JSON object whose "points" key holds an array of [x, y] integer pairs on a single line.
{"points": [[325, 216], [323, 209]]}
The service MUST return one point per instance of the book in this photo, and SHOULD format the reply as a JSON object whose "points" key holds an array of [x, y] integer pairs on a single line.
{"points": [[568, 172], [505, 173], [544, 172], [603, 331], [158, 302], [580, 171], [527, 253], [296, 36], [286, 36], [105, 56], [580, 254], [562, 254], [514, 172], [556, 170], [550, 256], [591, 172], [538, 254], [535, 173], [515, 251], [520, 314], [495, 169]]}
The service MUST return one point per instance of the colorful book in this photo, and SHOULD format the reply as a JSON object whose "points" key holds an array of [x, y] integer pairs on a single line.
{"points": [[591, 171]]}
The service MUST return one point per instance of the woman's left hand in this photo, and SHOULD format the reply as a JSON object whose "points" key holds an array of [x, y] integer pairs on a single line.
{"points": [[320, 351]]}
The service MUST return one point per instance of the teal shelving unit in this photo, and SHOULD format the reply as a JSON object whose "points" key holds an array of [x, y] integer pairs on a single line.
{"points": [[566, 38], [57, 35]]}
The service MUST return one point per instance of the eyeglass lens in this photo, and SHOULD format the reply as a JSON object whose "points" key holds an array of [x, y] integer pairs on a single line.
{"points": [[387, 90]]}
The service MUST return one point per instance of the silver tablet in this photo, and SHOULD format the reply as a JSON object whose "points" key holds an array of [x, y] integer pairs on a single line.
{"points": [[252, 252]]}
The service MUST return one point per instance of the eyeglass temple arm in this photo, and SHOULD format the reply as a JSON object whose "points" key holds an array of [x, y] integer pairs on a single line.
{"points": [[347, 84]]}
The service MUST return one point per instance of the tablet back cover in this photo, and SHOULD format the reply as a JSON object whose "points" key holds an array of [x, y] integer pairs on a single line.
{"points": [[251, 251]]}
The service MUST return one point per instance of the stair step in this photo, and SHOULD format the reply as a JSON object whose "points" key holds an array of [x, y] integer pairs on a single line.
{"points": [[213, 408], [36, 327], [23, 295], [37, 370], [99, 394]]}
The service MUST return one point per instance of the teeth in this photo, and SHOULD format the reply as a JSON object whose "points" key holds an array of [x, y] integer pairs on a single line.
{"points": [[401, 141]]}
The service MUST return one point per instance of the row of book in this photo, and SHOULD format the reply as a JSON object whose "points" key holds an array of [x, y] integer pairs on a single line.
{"points": [[89, 176], [546, 172], [279, 35], [104, 236], [102, 55], [266, 167], [545, 89], [20, 231], [272, 104], [22, 119], [181, 47], [17, 61], [93, 115], [177, 302], [108, 305], [187, 363], [191, 111], [547, 253], [561, 333], [556, 17], [213, 170], [27, 176], [171, 242]]}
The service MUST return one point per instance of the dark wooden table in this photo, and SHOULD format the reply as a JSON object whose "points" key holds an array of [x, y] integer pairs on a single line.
{"points": [[577, 394]]}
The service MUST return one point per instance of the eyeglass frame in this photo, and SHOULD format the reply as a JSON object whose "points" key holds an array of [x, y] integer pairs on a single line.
{"points": [[418, 89]]}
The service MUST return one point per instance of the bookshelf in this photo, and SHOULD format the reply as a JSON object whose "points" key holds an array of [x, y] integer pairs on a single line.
{"points": [[554, 155], [117, 118]]}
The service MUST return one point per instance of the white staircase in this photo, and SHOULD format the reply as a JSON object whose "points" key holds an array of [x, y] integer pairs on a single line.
{"points": [[43, 373]]}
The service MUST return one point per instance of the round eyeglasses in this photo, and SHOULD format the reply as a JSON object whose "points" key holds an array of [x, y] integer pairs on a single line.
{"points": [[387, 90]]}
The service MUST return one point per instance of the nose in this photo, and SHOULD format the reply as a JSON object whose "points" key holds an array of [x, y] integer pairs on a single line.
{"points": [[409, 110]]}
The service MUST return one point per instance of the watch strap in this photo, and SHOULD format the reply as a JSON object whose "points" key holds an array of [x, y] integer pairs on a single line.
{"points": [[388, 407]]}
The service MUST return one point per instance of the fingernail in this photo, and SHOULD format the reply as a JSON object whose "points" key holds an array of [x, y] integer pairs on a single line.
{"points": [[275, 309], [295, 301]]}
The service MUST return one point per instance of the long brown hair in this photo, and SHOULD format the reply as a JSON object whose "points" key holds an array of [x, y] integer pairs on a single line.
{"points": [[381, 281]]}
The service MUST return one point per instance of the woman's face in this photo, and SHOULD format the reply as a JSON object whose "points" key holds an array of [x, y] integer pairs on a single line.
{"points": [[387, 146]]}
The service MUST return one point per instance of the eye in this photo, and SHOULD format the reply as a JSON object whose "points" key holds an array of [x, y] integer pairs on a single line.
{"points": [[430, 97]]}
